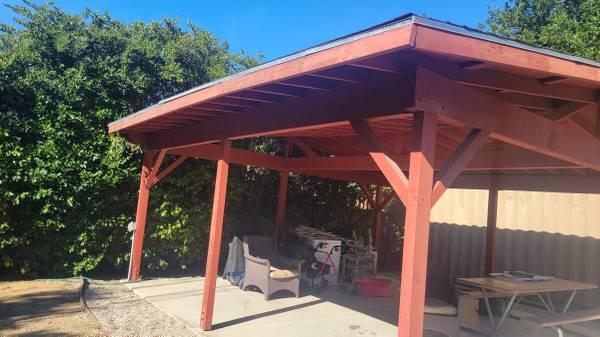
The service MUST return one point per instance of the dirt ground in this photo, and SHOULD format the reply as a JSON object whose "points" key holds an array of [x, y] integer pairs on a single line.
{"points": [[44, 308]]}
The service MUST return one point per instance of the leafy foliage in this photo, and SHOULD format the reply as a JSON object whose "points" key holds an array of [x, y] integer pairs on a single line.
{"points": [[68, 189], [571, 26]]}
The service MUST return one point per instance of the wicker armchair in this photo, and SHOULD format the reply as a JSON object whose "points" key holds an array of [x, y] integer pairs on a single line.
{"points": [[268, 270]]}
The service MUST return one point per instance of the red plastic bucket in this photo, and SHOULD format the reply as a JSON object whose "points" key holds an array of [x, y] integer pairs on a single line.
{"points": [[373, 287]]}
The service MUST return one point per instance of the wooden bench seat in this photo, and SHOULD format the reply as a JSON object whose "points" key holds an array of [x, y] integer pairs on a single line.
{"points": [[550, 319]]}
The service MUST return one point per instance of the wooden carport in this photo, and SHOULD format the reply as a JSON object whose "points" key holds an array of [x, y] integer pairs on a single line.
{"points": [[412, 104]]}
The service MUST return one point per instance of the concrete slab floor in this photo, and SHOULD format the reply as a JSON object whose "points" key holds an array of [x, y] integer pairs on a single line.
{"points": [[237, 313]]}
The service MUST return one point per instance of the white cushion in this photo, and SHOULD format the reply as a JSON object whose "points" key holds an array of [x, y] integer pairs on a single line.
{"points": [[279, 274], [439, 307]]}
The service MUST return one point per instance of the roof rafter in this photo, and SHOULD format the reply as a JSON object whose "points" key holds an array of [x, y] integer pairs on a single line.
{"points": [[566, 110], [377, 99], [518, 84]]}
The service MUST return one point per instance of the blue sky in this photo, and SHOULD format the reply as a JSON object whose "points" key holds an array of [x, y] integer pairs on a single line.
{"points": [[277, 28]]}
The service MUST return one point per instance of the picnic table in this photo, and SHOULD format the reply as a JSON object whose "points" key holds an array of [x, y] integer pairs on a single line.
{"points": [[515, 291]]}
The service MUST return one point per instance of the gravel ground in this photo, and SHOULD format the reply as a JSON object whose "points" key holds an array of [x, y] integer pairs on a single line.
{"points": [[124, 314]]}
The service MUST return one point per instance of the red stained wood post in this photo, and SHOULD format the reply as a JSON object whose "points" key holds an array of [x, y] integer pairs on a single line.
{"points": [[282, 196], [214, 243], [140, 218], [378, 215], [416, 227], [490, 233]]}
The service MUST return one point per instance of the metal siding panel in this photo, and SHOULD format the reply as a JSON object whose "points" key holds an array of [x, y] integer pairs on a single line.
{"points": [[547, 233]]}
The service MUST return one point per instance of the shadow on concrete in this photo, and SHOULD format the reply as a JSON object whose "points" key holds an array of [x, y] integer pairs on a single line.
{"points": [[264, 314]]}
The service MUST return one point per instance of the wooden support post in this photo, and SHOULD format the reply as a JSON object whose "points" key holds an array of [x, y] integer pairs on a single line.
{"points": [[378, 214], [214, 243], [140, 218], [416, 227], [282, 196], [490, 233]]}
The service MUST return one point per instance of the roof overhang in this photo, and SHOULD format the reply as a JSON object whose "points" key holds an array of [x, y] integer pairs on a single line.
{"points": [[407, 32], [539, 107]]}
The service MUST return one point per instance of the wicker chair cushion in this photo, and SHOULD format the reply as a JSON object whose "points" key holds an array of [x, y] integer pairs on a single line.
{"points": [[281, 274]]}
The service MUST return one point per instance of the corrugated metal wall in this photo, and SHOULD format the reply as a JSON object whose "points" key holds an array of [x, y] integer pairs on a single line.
{"points": [[547, 233]]}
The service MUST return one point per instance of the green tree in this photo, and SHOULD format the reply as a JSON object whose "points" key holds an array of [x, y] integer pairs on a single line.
{"points": [[571, 26], [67, 189]]}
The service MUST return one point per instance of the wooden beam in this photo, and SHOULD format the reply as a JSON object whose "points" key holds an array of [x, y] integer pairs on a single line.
{"points": [[224, 101], [457, 162], [511, 159], [582, 125], [310, 85], [377, 64], [565, 111], [432, 40], [543, 182], [473, 65], [216, 108], [490, 231], [529, 101], [214, 241], [308, 151], [140, 219], [168, 170], [155, 168], [354, 176], [505, 122], [502, 82], [377, 99], [386, 201], [515, 159], [279, 92], [335, 77], [485, 160], [237, 156], [553, 80], [381, 157], [255, 97], [368, 195], [416, 227], [517, 84]]}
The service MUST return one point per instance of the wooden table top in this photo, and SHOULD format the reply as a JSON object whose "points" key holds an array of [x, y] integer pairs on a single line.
{"points": [[525, 287]]}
